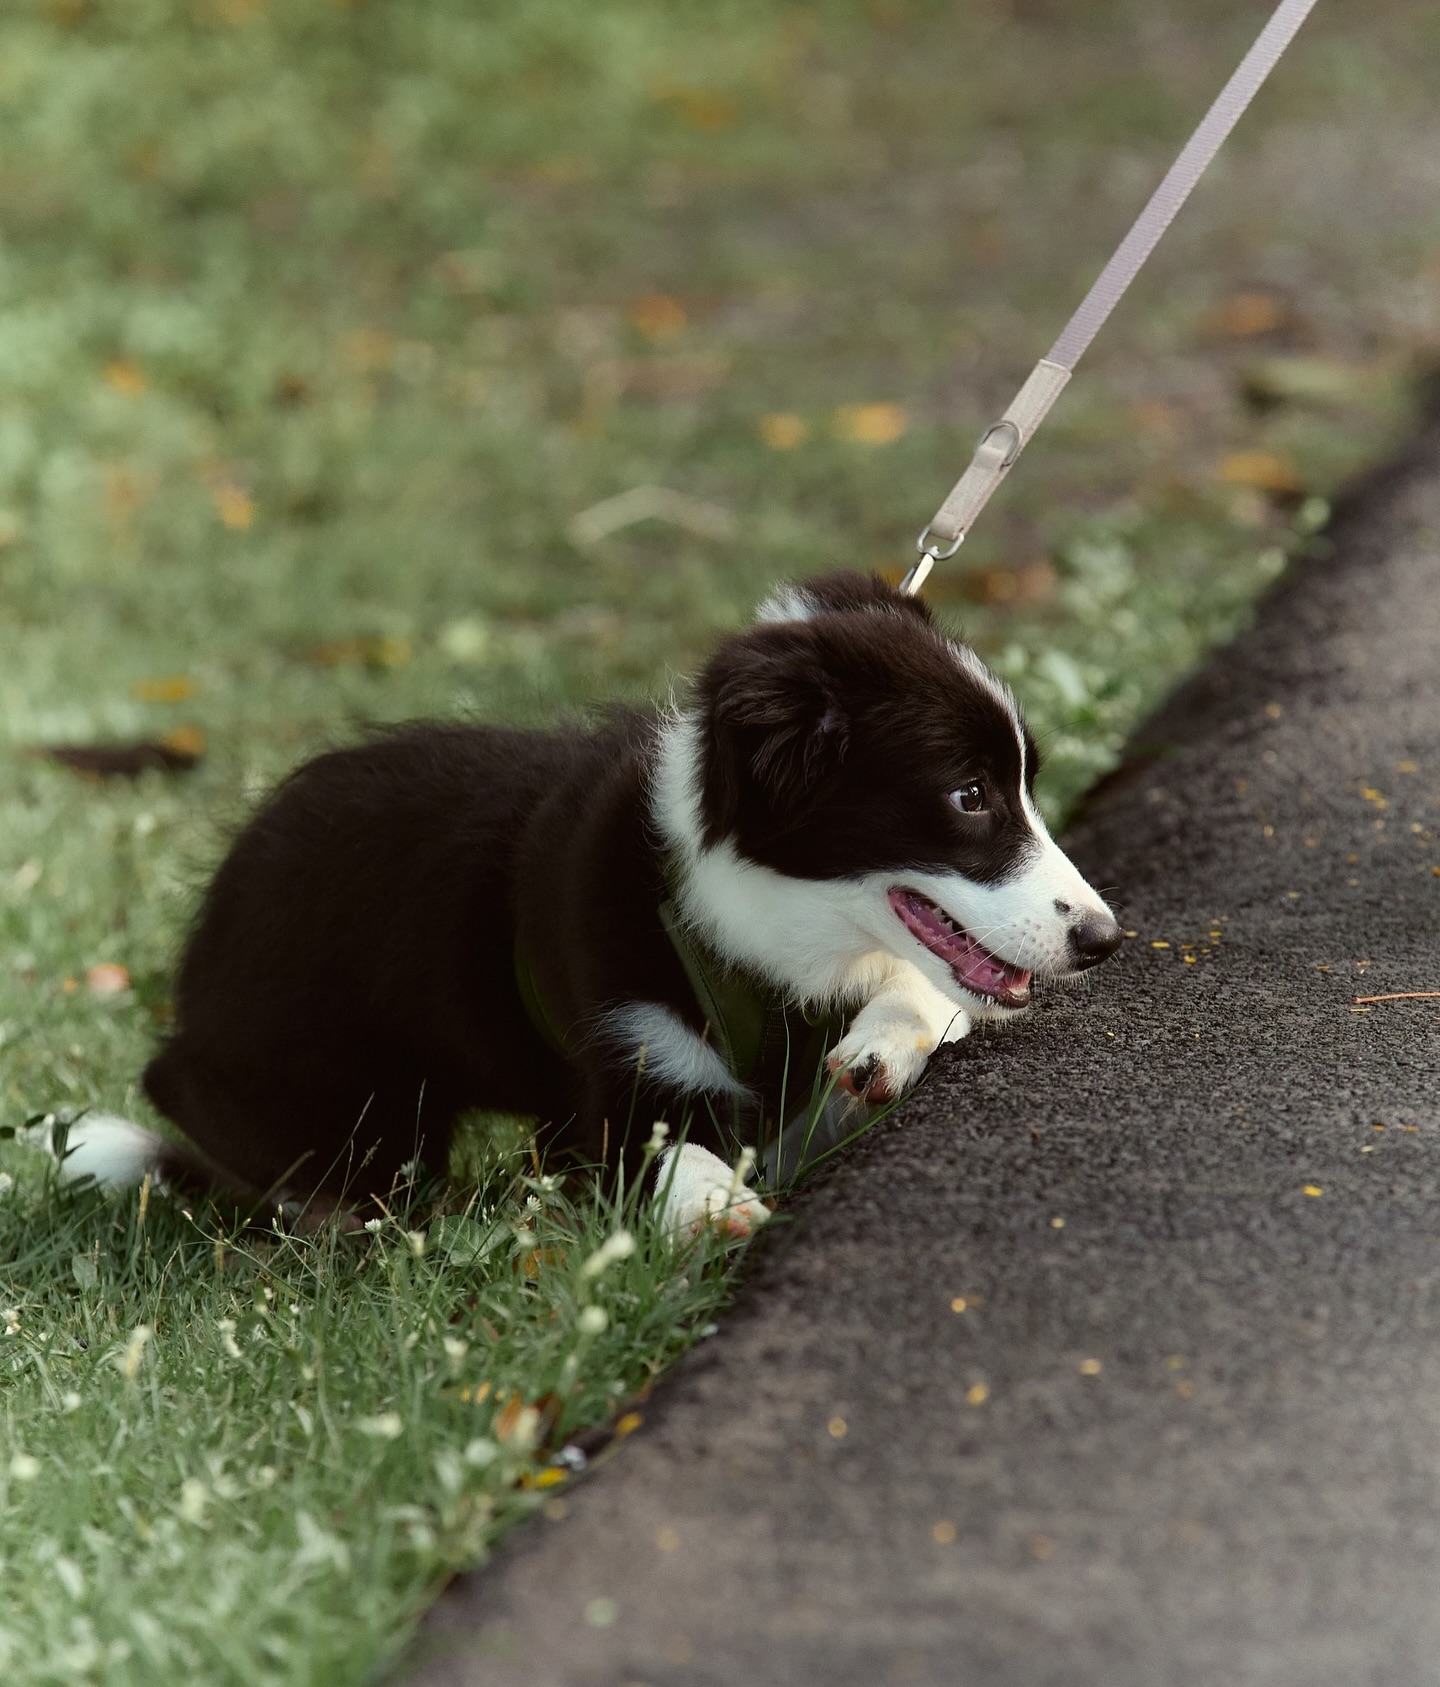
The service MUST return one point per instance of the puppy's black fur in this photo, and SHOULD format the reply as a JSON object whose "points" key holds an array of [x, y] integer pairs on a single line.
{"points": [[350, 983]]}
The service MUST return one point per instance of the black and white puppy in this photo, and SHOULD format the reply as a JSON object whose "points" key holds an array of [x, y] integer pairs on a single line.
{"points": [[452, 917]]}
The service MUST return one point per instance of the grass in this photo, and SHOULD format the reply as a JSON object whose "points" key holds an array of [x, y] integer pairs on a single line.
{"points": [[319, 326]]}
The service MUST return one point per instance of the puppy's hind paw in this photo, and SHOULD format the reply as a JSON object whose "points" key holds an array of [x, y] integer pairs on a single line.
{"points": [[698, 1191]]}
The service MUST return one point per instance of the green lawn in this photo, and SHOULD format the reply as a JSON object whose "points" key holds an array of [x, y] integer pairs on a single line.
{"points": [[320, 326]]}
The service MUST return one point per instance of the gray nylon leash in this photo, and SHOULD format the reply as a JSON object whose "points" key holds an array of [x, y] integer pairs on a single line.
{"points": [[1004, 440]]}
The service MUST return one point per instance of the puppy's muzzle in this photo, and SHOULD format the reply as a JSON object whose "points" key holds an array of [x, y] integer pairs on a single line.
{"points": [[1092, 939]]}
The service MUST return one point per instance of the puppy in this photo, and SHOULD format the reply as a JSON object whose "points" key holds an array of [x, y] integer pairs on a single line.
{"points": [[831, 854]]}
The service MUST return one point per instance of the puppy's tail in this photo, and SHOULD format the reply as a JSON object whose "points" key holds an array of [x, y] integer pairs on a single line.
{"points": [[114, 1153]]}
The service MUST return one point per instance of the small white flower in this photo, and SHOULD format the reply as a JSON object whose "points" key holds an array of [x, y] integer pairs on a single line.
{"points": [[449, 1472], [743, 1167], [194, 1497], [384, 1426], [24, 1467], [481, 1452], [70, 1401], [69, 1575], [226, 1327], [129, 1360], [658, 1132], [12, 1320], [416, 1239], [592, 1320], [616, 1247], [265, 1477], [7, 1183], [319, 1547], [455, 1351], [374, 1225]]}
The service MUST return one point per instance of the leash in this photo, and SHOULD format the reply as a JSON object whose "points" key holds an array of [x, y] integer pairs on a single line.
{"points": [[1004, 440]]}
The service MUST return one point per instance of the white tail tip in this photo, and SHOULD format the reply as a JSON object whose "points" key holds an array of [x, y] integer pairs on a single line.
{"points": [[112, 1151]]}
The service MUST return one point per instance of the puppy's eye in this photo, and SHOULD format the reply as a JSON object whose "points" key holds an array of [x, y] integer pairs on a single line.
{"points": [[969, 799]]}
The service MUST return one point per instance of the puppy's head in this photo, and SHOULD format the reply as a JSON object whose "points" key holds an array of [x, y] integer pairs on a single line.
{"points": [[847, 742]]}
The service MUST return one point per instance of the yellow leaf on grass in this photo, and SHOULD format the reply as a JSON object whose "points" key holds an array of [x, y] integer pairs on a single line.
{"points": [[172, 690], [185, 741], [1244, 314], [124, 377], [234, 506], [1267, 471], [658, 316], [783, 431], [870, 424]]}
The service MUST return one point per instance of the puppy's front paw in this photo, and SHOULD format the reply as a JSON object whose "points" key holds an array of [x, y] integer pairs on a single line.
{"points": [[877, 1063], [698, 1191]]}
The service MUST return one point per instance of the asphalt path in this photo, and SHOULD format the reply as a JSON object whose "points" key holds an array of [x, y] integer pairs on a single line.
{"points": [[1115, 1356]]}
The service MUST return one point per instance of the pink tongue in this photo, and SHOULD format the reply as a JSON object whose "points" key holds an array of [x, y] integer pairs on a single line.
{"points": [[972, 964]]}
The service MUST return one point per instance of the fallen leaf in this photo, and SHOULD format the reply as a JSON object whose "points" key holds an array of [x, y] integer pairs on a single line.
{"points": [[658, 316], [1010, 588], [124, 377], [234, 506], [539, 1258], [107, 978], [174, 690], [176, 752], [185, 741], [549, 1478], [783, 431], [869, 424], [1246, 314], [1267, 471]]}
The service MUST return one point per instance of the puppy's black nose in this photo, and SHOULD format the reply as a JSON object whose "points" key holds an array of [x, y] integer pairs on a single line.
{"points": [[1094, 939]]}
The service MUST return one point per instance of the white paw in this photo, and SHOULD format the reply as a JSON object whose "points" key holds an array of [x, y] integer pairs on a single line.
{"points": [[876, 1062], [697, 1190]]}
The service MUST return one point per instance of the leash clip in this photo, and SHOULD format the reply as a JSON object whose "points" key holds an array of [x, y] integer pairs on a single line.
{"points": [[930, 554]]}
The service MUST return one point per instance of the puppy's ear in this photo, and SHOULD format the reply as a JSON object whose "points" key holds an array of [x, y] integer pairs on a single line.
{"points": [[777, 725]]}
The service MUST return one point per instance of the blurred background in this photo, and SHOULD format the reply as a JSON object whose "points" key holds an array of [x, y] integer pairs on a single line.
{"points": [[368, 358], [362, 359]]}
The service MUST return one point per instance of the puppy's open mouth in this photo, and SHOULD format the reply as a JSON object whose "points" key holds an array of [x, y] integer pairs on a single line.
{"points": [[971, 964]]}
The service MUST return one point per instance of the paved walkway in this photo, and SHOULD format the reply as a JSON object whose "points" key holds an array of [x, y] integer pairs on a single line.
{"points": [[1187, 1427]]}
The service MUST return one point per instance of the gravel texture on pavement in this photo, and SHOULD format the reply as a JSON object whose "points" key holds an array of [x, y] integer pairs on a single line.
{"points": [[1114, 1357]]}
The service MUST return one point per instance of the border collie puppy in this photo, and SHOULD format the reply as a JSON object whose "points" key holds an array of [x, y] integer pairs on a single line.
{"points": [[834, 841]]}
